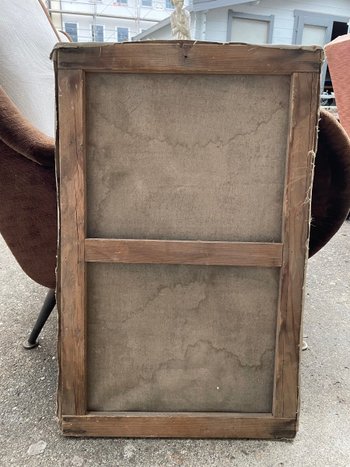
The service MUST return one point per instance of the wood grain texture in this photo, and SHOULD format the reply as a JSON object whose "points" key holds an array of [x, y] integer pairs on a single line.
{"points": [[170, 425], [296, 224], [183, 252], [72, 342], [189, 57]]}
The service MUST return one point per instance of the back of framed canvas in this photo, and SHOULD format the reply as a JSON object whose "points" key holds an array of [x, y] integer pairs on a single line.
{"points": [[184, 204]]}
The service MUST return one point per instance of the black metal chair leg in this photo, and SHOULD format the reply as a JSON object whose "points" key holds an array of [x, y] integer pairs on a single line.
{"points": [[48, 306]]}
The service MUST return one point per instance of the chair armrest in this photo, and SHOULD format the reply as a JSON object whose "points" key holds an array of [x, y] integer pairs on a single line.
{"points": [[331, 189], [18, 133]]}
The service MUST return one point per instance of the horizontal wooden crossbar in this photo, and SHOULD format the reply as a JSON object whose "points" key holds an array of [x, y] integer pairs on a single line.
{"points": [[183, 252], [189, 57], [179, 425]]}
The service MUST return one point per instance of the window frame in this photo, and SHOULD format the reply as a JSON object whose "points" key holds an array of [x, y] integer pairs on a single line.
{"points": [[92, 31], [122, 27], [311, 18], [269, 19], [71, 22]]}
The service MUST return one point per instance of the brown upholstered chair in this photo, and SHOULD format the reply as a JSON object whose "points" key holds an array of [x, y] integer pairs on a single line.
{"points": [[28, 214], [27, 178], [331, 189]]}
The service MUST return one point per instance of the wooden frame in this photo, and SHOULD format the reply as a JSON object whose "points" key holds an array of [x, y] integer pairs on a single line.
{"points": [[72, 62]]}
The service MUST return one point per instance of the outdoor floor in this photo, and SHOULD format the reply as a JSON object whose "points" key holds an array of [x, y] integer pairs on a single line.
{"points": [[28, 386]]}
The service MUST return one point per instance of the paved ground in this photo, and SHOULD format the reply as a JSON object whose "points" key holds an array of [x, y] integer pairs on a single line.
{"points": [[28, 386]]}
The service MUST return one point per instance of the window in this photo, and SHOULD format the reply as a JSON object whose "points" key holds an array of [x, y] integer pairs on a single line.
{"points": [[72, 30], [147, 3], [318, 29], [120, 2], [169, 5], [97, 32], [254, 29], [312, 28], [122, 34]]}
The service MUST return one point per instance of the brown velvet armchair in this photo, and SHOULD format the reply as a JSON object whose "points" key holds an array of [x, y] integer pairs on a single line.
{"points": [[28, 212], [331, 188], [27, 179]]}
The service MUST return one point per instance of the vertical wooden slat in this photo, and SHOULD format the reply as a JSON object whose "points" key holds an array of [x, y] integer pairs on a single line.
{"points": [[297, 202], [71, 279]]}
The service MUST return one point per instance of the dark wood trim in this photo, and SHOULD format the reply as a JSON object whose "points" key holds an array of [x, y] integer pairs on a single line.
{"points": [[189, 57], [72, 344], [183, 252], [179, 425], [296, 225]]}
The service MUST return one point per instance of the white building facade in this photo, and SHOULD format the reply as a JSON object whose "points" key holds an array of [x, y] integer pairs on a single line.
{"points": [[299, 22], [263, 21], [107, 20]]}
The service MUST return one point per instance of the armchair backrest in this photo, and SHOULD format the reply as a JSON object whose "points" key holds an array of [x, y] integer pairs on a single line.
{"points": [[26, 71], [338, 58]]}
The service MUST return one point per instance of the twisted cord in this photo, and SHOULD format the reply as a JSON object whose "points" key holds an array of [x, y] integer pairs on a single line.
{"points": [[180, 24]]}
